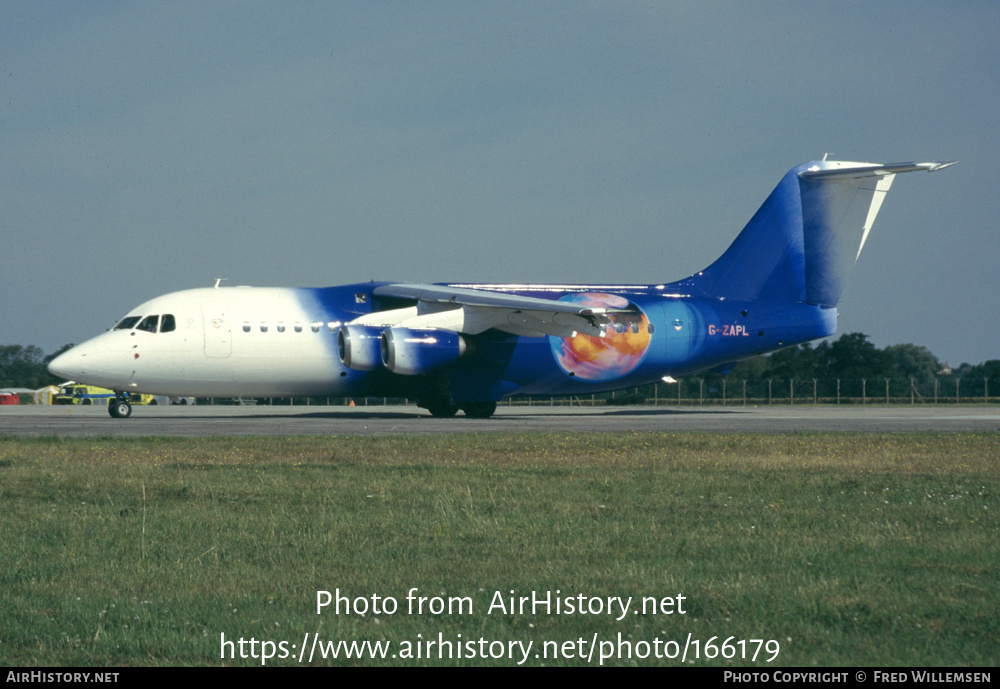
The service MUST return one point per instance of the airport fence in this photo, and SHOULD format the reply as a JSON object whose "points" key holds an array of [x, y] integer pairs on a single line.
{"points": [[722, 391], [774, 391]]}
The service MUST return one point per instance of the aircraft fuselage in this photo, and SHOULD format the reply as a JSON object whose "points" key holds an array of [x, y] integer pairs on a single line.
{"points": [[281, 342], [452, 346]]}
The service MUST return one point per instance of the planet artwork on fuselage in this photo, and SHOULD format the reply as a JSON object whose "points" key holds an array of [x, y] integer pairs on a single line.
{"points": [[613, 356]]}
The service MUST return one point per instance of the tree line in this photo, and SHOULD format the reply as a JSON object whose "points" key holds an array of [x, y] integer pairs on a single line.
{"points": [[26, 367], [848, 367], [853, 357]]}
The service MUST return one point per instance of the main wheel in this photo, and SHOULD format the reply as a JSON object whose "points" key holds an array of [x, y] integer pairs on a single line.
{"points": [[120, 409], [442, 410], [479, 410]]}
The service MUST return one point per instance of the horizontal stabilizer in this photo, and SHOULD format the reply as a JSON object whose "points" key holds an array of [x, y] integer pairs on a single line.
{"points": [[874, 170]]}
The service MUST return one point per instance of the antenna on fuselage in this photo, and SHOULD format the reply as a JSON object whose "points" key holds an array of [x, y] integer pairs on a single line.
{"points": [[218, 280], [826, 154]]}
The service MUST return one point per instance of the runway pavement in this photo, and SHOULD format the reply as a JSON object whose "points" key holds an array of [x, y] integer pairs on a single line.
{"points": [[76, 421]]}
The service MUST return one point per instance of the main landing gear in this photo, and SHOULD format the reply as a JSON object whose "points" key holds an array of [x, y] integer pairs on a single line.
{"points": [[120, 407], [442, 410], [479, 410], [474, 410]]}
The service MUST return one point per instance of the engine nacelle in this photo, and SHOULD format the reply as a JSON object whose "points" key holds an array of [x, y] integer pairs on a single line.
{"points": [[411, 351], [359, 347]]}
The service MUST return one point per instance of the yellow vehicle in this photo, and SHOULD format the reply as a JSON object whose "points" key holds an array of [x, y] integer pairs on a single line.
{"points": [[78, 393]]}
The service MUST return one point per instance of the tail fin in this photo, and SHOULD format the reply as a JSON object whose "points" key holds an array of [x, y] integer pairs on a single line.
{"points": [[802, 243]]}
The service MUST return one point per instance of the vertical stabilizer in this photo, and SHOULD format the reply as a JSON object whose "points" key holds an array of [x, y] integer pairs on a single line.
{"points": [[803, 242]]}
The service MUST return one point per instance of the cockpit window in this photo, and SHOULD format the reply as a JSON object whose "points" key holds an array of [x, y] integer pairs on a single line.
{"points": [[149, 324], [127, 323], [167, 323]]}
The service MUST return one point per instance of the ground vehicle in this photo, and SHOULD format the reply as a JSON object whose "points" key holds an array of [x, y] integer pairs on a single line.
{"points": [[78, 393]]}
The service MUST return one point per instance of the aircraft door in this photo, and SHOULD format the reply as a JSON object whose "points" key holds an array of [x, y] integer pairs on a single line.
{"points": [[218, 327]]}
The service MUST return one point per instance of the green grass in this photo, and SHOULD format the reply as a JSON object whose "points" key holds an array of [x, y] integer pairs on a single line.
{"points": [[845, 549]]}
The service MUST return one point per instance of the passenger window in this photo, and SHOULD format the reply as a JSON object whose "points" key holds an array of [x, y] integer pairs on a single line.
{"points": [[263, 327], [167, 323], [298, 327], [246, 326], [127, 323], [281, 327], [148, 324]]}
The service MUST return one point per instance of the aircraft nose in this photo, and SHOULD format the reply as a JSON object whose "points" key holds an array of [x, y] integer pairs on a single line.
{"points": [[89, 362], [69, 364]]}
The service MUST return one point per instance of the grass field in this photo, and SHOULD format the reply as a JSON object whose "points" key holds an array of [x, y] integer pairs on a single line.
{"points": [[811, 549]]}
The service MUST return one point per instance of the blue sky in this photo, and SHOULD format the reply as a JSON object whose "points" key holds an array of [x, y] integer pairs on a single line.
{"points": [[151, 147]]}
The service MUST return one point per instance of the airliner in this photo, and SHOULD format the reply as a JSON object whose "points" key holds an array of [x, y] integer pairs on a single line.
{"points": [[455, 347]]}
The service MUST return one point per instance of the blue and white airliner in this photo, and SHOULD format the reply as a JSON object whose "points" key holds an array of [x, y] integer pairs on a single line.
{"points": [[464, 347]]}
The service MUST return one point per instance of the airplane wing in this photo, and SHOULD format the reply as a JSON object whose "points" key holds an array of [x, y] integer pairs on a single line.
{"points": [[472, 311]]}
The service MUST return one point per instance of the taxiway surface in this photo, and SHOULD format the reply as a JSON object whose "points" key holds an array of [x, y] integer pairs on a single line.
{"points": [[73, 421]]}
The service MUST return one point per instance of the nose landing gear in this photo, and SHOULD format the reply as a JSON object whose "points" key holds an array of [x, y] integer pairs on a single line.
{"points": [[120, 407]]}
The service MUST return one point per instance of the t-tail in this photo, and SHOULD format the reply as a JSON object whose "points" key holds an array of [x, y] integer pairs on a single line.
{"points": [[801, 245]]}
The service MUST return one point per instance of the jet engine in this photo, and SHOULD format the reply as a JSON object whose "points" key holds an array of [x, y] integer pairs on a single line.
{"points": [[358, 347], [411, 351]]}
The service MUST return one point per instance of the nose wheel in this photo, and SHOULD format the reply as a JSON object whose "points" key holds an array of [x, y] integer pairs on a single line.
{"points": [[120, 408]]}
